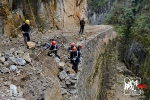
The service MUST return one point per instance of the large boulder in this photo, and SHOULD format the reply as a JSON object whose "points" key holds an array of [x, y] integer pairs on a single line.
{"points": [[62, 75], [13, 68], [12, 60], [134, 57], [16, 60], [31, 44], [13, 88], [25, 56]]}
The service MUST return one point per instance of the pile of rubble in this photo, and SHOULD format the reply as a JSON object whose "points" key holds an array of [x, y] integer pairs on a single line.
{"points": [[10, 67], [68, 81], [21, 77], [16, 74], [26, 74]]}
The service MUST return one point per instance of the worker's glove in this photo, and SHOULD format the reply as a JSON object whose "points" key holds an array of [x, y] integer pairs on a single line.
{"points": [[23, 32], [44, 48], [73, 58], [29, 33], [70, 50]]}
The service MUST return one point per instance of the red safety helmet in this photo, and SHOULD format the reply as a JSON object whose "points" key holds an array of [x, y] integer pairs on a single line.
{"points": [[74, 49], [72, 44], [80, 45], [53, 43]]}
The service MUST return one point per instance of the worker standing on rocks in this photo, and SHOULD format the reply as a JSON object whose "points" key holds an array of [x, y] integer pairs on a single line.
{"points": [[79, 47], [82, 23], [53, 47], [71, 47], [25, 28], [75, 58]]}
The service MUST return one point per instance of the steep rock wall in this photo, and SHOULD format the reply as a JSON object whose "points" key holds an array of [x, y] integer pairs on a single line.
{"points": [[98, 9], [43, 14], [98, 67]]}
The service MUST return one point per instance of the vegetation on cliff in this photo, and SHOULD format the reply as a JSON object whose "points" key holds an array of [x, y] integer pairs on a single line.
{"points": [[131, 21], [95, 4]]}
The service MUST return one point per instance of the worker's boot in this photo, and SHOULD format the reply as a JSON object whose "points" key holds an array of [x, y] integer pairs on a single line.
{"points": [[25, 40]]}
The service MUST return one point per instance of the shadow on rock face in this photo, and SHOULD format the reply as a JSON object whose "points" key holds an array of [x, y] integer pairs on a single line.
{"points": [[134, 57]]}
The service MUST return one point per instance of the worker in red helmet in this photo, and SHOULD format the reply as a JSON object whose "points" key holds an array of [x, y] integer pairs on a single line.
{"points": [[75, 58], [79, 47], [71, 46], [53, 47]]}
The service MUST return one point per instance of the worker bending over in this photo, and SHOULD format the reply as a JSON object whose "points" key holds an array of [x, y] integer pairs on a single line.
{"points": [[53, 47]]}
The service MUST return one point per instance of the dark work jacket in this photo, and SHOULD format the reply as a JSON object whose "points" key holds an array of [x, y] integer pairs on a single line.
{"points": [[78, 48], [82, 23], [25, 27], [75, 55], [70, 48]]}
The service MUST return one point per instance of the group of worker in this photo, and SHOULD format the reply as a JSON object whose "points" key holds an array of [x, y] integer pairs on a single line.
{"points": [[75, 53], [53, 47]]}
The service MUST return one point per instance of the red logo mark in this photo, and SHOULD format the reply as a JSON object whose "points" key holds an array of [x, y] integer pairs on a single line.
{"points": [[141, 86]]}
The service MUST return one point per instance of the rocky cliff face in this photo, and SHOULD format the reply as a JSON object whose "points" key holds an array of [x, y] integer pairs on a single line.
{"points": [[43, 14], [46, 14], [98, 72], [98, 9]]}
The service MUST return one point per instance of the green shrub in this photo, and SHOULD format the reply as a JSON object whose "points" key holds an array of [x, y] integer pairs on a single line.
{"points": [[95, 5]]}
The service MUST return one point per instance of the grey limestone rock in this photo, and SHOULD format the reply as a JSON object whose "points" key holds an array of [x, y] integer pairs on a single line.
{"points": [[62, 75], [68, 83], [4, 70], [73, 92], [63, 91], [25, 56], [2, 59], [13, 68]]}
